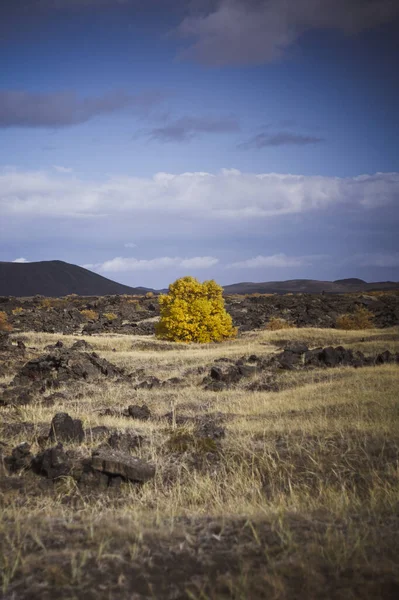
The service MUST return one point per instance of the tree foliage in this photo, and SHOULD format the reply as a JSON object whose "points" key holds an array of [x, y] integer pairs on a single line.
{"points": [[194, 312]]}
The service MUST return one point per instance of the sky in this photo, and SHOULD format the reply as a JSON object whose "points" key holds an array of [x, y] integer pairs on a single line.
{"points": [[236, 140]]}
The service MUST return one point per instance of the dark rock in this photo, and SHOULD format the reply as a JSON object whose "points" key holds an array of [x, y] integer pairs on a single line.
{"points": [[66, 429], [64, 366], [142, 413], [384, 357], [111, 412], [55, 346], [172, 381], [148, 384], [5, 341], [53, 463], [91, 479], [247, 371], [177, 419], [125, 441], [253, 358], [81, 345], [114, 462], [215, 386], [53, 398], [17, 396], [210, 428], [20, 459], [297, 348], [98, 432], [228, 374], [115, 482]]}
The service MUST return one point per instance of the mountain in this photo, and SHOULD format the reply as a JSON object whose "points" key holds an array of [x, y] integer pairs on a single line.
{"points": [[55, 278], [309, 286]]}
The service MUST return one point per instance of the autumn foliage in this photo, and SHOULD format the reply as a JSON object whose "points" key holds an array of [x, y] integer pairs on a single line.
{"points": [[276, 323], [194, 312], [360, 319], [4, 324]]}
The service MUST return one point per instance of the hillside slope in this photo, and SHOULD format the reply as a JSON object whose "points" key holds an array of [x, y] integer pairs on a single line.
{"points": [[56, 278], [308, 286]]}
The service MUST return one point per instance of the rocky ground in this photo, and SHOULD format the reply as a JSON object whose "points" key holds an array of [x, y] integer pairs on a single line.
{"points": [[138, 315], [263, 467]]}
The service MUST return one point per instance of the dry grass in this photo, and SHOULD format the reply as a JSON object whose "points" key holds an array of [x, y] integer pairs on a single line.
{"points": [[300, 498]]}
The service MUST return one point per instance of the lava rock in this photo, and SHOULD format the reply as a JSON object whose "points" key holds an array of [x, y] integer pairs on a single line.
{"points": [[125, 441], [53, 463], [66, 429], [81, 345], [20, 459], [142, 413], [115, 462], [148, 384]]}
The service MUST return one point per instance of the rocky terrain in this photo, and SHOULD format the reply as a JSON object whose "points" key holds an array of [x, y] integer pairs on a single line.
{"points": [[137, 314], [262, 467]]}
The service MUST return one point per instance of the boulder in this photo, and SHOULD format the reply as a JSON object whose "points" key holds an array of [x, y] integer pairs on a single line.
{"points": [[142, 413], [81, 345], [20, 459], [55, 462], [115, 462], [66, 429], [65, 365]]}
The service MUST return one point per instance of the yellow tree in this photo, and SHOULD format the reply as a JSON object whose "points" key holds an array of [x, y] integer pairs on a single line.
{"points": [[194, 312]]}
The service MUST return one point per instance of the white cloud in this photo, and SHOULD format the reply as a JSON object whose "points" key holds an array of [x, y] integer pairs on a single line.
{"points": [[275, 260], [120, 264], [130, 245], [20, 260], [203, 197], [61, 169]]}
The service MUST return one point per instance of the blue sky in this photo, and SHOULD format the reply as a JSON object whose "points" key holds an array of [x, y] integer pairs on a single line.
{"points": [[242, 141]]}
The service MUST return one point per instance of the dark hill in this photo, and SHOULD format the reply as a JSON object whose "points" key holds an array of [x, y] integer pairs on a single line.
{"points": [[56, 278], [309, 286]]}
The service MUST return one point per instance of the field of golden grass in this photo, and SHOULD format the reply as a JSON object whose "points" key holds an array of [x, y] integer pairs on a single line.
{"points": [[300, 499]]}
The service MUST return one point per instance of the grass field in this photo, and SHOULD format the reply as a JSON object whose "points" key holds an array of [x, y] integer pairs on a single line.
{"points": [[300, 499]]}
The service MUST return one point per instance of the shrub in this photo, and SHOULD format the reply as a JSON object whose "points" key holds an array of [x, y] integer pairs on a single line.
{"points": [[194, 312], [92, 315], [149, 295], [276, 323], [360, 319], [17, 311], [110, 316], [46, 304], [4, 324]]}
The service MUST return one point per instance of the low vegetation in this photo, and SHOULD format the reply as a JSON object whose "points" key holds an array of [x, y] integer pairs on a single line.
{"points": [[361, 318], [275, 324], [89, 314], [4, 324]]}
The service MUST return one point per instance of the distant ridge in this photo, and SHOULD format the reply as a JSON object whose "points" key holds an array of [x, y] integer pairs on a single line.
{"points": [[309, 286], [55, 278]]}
